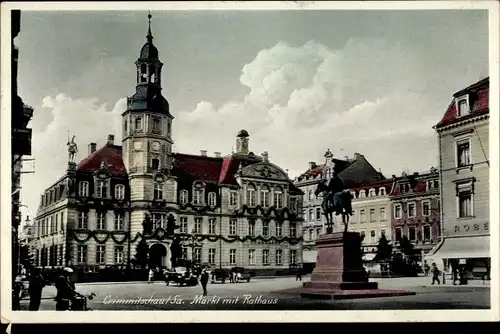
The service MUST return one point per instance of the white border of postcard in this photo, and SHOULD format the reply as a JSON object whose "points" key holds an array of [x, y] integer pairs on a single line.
{"points": [[248, 316]]}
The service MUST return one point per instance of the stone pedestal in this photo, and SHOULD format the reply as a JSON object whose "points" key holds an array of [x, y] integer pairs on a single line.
{"points": [[339, 271]]}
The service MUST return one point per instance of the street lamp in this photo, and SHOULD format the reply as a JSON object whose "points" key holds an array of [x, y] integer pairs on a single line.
{"points": [[192, 243]]}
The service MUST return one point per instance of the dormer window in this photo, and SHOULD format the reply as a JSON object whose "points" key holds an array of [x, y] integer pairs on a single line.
{"points": [[353, 194], [372, 193], [101, 188], [381, 191], [83, 189], [463, 107], [362, 194], [404, 188]]}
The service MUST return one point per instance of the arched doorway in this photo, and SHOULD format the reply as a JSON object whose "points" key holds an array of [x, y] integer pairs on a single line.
{"points": [[158, 255]]}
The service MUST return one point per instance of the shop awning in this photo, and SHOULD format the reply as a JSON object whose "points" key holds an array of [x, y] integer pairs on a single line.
{"points": [[309, 256], [464, 248]]}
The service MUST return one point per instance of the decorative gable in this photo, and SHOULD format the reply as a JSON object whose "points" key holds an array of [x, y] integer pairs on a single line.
{"points": [[264, 170]]}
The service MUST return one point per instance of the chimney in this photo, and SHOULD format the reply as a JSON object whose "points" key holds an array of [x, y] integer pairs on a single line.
{"points": [[217, 154], [111, 139], [203, 153], [92, 148], [357, 156], [265, 156], [312, 164]]}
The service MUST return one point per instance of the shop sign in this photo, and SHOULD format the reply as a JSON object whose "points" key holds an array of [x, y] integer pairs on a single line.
{"points": [[471, 227]]}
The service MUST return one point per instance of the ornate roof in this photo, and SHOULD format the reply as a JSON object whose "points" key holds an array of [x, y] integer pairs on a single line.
{"points": [[111, 155], [478, 99], [148, 97]]}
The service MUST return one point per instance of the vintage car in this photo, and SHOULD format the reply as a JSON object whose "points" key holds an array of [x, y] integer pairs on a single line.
{"points": [[219, 275], [181, 276], [239, 275]]}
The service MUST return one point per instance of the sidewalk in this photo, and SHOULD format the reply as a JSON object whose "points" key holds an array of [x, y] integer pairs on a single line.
{"points": [[424, 282]]}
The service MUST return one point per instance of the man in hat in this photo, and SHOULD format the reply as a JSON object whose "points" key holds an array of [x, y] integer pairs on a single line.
{"points": [[65, 290], [36, 284]]}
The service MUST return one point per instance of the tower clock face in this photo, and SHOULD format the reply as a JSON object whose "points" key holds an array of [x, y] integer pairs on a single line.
{"points": [[156, 146], [137, 145]]}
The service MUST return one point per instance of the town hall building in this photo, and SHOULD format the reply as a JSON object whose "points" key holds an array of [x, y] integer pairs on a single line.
{"points": [[226, 211]]}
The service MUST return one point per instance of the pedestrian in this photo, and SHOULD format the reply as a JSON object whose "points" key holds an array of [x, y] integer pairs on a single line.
{"points": [[36, 284], [151, 277], [435, 274], [65, 290], [204, 280], [426, 268], [299, 274]]}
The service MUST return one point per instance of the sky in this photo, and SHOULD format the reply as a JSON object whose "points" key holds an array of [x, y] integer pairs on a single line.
{"points": [[300, 82]]}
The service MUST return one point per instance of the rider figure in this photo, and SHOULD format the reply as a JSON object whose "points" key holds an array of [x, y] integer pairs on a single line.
{"points": [[335, 187]]}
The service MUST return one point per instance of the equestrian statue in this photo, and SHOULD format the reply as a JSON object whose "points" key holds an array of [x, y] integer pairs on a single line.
{"points": [[336, 200]]}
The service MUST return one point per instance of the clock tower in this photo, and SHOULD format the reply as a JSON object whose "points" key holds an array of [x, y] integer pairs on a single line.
{"points": [[147, 137]]}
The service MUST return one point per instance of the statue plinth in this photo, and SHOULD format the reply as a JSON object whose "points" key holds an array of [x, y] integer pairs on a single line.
{"points": [[339, 271], [71, 166]]}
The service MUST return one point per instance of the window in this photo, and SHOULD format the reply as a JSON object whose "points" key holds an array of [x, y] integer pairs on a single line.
{"points": [[251, 227], [311, 214], [311, 195], [279, 257], [82, 220], [279, 229], [183, 197], [119, 191], [232, 226], [198, 197], [310, 235], [382, 214], [251, 256], [464, 204], [373, 236], [118, 221], [411, 209], [372, 215], [125, 126], [432, 184], [381, 191], [81, 254], [155, 164], [363, 234], [211, 256], [232, 256], [158, 191], [293, 230], [362, 194], [293, 256], [278, 198], [197, 225], [399, 233], [265, 228], [382, 233], [412, 233], [426, 208], [265, 256], [102, 189], [372, 193], [184, 253], [197, 255], [463, 108], [427, 232], [169, 128], [138, 123], [101, 221], [211, 226], [99, 257], [353, 194], [318, 213], [212, 201], [184, 225], [62, 221], [397, 211], [264, 196], [156, 125], [251, 195], [159, 220], [233, 198], [83, 189], [362, 217], [318, 232], [118, 254], [463, 153]]}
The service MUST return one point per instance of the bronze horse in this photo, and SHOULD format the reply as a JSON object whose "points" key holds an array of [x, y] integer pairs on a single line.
{"points": [[338, 203]]}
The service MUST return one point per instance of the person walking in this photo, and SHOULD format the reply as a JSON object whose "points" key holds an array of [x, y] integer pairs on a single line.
{"points": [[65, 290], [299, 274], [204, 280], [36, 284], [435, 274], [151, 276]]}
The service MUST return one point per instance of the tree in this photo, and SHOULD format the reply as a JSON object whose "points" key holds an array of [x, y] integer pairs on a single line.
{"points": [[406, 246], [141, 256], [384, 250]]}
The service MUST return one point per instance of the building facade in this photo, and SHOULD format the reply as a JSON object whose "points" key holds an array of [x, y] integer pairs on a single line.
{"points": [[354, 172], [225, 211], [21, 115], [463, 134], [415, 210]]}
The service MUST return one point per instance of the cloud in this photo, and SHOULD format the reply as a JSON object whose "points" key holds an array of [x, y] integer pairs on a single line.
{"points": [[86, 118], [365, 97]]}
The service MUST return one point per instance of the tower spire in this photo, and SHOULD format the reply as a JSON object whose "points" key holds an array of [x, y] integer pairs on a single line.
{"points": [[149, 36]]}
